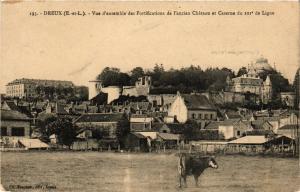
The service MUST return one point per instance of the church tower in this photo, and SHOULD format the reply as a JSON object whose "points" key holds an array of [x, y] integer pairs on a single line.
{"points": [[267, 90]]}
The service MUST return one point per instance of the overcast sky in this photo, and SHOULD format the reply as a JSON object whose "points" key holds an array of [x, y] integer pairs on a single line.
{"points": [[78, 48]]}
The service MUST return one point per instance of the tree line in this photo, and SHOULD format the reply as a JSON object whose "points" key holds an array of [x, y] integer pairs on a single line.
{"points": [[186, 79]]}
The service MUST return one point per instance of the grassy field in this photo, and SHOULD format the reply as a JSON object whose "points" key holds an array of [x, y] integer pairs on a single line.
{"points": [[93, 171]]}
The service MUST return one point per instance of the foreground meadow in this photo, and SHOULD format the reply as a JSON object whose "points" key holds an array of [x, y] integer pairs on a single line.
{"points": [[113, 172]]}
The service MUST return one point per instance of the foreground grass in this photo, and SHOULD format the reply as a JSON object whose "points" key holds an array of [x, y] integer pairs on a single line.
{"points": [[93, 171]]}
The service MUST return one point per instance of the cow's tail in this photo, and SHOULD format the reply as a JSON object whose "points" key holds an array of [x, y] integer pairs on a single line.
{"points": [[181, 165]]}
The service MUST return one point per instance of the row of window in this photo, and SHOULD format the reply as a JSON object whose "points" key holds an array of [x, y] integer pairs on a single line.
{"points": [[15, 131], [201, 116]]}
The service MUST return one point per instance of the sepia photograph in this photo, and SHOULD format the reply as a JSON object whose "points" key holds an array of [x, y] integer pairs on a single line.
{"points": [[149, 96]]}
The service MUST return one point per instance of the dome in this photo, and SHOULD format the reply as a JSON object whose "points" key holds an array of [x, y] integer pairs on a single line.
{"points": [[262, 64]]}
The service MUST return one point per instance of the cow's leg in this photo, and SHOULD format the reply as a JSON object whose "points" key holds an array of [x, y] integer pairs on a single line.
{"points": [[196, 179], [184, 180], [180, 178]]}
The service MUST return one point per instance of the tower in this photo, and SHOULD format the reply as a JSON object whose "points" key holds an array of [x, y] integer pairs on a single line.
{"points": [[94, 88], [143, 85], [267, 90]]}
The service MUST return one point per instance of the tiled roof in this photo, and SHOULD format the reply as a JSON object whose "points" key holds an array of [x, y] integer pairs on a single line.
{"points": [[229, 122], [213, 125], [10, 105], [258, 124], [197, 102], [169, 136], [99, 117], [12, 115]]}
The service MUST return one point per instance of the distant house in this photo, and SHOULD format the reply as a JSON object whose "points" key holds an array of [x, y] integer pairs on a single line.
{"points": [[106, 124], [261, 125], [289, 131], [56, 108], [230, 114], [136, 142], [14, 124], [192, 107], [140, 122], [280, 119], [233, 128], [169, 140]]}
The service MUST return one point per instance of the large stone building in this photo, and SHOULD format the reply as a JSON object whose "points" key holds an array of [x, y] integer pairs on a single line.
{"points": [[142, 87], [252, 83], [27, 87]]}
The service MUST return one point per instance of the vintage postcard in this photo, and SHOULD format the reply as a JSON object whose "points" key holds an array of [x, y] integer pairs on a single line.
{"points": [[149, 96]]}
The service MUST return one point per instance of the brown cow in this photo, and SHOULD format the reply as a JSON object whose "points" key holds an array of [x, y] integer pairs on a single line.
{"points": [[194, 164]]}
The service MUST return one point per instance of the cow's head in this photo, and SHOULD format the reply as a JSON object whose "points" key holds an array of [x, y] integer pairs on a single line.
{"points": [[212, 163]]}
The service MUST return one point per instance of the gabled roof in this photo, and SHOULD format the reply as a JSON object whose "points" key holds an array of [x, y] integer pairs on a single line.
{"points": [[13, 115], [213, 125], [99, 117], [258, 124], [193, 101], [11, 105], [229, 122]]}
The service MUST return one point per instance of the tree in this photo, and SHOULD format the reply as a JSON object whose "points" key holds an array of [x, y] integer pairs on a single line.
{"points": [[60, 126], [113, 77], [65, 131], [123, 128], [136, 73], [242, 71], [45, 127]]}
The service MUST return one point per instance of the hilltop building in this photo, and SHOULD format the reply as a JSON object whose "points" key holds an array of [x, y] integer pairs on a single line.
{"points": [[142, 87], [27, 87], [252, 83]]}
